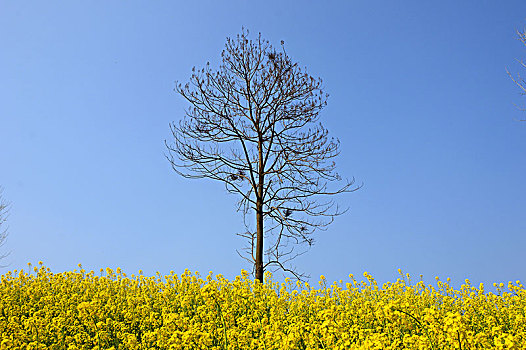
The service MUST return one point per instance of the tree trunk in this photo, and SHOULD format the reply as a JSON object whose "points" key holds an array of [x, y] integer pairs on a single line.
{"points": [[259, 212], [259, 242]]}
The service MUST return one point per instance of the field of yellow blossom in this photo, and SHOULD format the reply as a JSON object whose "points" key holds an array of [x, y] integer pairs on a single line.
{"points": [[80, 310]]}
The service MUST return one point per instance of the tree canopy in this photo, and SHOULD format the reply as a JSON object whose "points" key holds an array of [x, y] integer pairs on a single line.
{"points": [[253, 124]]}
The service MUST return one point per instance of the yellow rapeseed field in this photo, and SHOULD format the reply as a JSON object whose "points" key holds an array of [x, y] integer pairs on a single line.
{"points": [[80, 310]]}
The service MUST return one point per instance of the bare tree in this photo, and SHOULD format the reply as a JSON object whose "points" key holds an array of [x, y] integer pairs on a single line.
{"points": [[4, 208], [519, 80], [252, 125]]}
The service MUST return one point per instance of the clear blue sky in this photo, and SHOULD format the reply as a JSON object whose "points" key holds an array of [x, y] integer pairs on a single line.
{"points": [[419, 98]]}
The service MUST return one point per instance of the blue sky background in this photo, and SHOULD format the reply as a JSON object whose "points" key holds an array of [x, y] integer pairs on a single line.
{"points": [[419, 98]]}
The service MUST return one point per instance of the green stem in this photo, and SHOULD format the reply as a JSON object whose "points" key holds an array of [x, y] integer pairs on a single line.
{"points": [[421, 326], [224, 324], [96, 331], [261, 325], [36, 330]]}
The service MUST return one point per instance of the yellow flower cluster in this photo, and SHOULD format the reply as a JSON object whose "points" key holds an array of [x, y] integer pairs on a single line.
{"points": [[80, 310]]}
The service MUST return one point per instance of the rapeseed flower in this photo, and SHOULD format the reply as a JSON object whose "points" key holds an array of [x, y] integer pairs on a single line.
{"points": [[79, 310]]}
